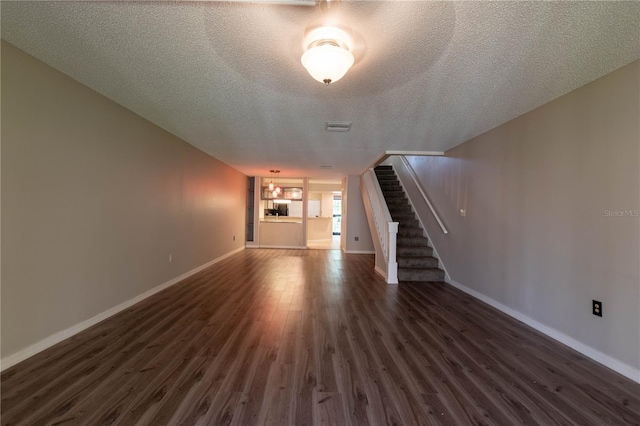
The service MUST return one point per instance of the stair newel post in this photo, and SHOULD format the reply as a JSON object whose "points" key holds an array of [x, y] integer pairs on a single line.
{"points": [[392, 265]]}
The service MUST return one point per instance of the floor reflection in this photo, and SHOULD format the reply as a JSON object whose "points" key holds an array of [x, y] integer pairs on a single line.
{"points": [[328, 244]]}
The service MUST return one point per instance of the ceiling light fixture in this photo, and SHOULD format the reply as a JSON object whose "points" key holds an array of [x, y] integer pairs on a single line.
{"points": [[327, 55], [274, 188], [271, 180]]}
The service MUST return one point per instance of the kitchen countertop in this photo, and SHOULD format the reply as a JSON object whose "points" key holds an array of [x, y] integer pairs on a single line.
{"points": [[281, 219]]}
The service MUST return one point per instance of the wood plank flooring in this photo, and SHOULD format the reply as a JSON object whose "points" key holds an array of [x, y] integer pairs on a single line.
{"points": [[301, 337]]}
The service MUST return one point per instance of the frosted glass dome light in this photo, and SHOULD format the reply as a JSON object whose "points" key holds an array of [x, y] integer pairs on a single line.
{"points": [[327, 57]]}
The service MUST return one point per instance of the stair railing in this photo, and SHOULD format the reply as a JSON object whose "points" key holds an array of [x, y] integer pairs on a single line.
{"points": [[414, 177], [385, 228]]}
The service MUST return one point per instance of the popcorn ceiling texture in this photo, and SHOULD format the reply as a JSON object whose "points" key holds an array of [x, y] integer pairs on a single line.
{"points": [[227, 77]]}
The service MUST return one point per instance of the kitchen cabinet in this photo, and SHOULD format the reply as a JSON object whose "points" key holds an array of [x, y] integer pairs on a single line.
{"points": [[288, 193]]}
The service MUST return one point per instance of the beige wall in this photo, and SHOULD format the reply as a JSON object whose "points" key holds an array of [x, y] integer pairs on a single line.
{"points": [[354, 219], [326, 205], [94, 199], [285, 233], [324, 187], [319, 228], [536, 236]]}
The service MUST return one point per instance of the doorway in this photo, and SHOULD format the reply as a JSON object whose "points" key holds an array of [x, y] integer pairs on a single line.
{"points": [[337, 214], [324, 215]]}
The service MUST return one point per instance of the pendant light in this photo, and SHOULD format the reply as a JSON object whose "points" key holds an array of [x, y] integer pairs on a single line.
{"points": [[274, 188], [272, 172]]}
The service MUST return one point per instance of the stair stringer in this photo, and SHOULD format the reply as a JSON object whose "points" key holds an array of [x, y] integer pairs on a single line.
{"points": [[389, 271], [404, 179]]}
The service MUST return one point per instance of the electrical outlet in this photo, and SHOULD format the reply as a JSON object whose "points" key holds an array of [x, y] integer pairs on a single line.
{"points": [[234, 238], [356, 238], [597, 308], [170, 258], [463, 212]]}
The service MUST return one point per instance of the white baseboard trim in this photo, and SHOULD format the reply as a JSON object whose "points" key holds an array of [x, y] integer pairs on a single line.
{"points": [[604, 359], [58, 337], [380, 272], [359, 252]]}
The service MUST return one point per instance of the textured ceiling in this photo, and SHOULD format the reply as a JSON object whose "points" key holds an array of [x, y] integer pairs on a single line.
{"points": [[227, 78]]}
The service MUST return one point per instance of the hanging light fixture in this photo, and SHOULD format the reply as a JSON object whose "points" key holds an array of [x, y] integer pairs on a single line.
{"points": [[271, 186], [274, 188], [327, 55]]}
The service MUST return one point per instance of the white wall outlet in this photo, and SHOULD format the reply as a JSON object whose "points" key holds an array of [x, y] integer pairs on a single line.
{"points": [[463, 212], [170, 258]]}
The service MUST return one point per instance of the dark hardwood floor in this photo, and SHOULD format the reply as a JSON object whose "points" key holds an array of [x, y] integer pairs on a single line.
{"points": [[289, 337]]}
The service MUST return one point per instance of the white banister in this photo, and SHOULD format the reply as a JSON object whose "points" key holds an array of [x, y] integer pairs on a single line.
{"points": [[412, 173], [385, 228]]}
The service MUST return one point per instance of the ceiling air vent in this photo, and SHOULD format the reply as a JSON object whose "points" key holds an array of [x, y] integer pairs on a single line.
{"points": [[326, 167], [337, 126]]}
